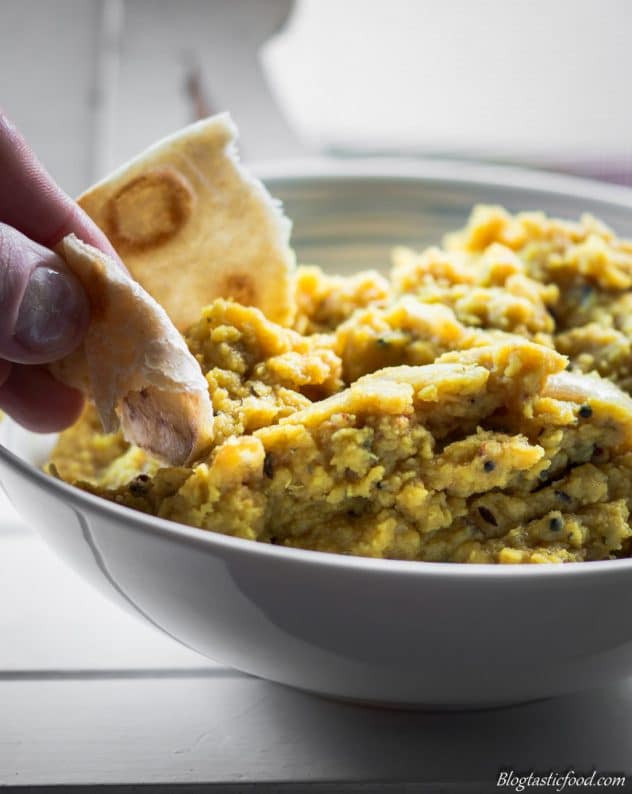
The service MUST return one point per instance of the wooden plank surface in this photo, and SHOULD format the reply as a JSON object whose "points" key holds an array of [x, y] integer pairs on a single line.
{"points": [[89, 695], [226, 729]]}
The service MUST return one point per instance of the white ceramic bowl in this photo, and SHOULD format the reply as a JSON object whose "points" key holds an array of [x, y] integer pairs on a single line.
{"points": [[378, 631]]}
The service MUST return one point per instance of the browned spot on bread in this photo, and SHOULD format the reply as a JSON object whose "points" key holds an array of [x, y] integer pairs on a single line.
{"points": [[150, 209], [97, 294], [240, 287]]}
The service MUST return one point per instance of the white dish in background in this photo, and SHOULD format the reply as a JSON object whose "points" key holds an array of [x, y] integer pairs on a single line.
{"points": [[390, 632]]}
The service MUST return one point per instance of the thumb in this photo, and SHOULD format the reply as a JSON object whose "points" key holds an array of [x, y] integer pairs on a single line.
{"points": [[43, 309]]}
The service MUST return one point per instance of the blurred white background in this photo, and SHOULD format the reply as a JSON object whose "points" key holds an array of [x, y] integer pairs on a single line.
{"points": [[536, 79], [91, 82]]}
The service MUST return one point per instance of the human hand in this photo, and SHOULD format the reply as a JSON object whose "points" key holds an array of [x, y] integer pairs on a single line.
{"points": [[44, 311]]}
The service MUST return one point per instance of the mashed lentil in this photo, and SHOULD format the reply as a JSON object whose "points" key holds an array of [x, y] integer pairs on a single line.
{"points": [[473, 407]]}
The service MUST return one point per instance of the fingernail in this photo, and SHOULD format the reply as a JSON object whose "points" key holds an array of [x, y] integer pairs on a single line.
{"points": [[50, 313]]}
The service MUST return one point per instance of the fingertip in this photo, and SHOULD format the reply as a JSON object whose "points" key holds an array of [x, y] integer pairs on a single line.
{"points": [[53, 315], [44, 309], [32, 397]]}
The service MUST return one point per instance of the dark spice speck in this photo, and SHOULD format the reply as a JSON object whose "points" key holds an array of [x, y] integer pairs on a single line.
{"points": [[268, 465], [555, 524], [489, 465], [585, 412], [586, 294], [488, 516], [138, 486]]}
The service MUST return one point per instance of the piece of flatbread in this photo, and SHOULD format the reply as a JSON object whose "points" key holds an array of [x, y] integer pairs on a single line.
{"points": [[134, 364], [192, 225]]}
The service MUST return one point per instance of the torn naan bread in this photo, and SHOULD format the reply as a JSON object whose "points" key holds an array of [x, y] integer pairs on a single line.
{"points": [[192, 225], [134, 364]]}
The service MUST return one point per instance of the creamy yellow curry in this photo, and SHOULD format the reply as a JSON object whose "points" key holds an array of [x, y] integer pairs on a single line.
{"points": [[471, 407]]}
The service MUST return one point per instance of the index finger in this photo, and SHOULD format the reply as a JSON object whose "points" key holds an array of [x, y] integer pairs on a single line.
{"points": [[33, 203]]}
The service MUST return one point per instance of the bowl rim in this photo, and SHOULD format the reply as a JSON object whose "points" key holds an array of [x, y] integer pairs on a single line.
{"points": [[465, 172], [319, 169]]}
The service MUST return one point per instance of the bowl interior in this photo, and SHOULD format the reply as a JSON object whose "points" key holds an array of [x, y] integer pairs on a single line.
{"points": [[349, 215]]}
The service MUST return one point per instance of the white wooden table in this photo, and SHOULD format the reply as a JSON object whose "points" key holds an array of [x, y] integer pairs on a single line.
{"points": [[89, 696]]}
